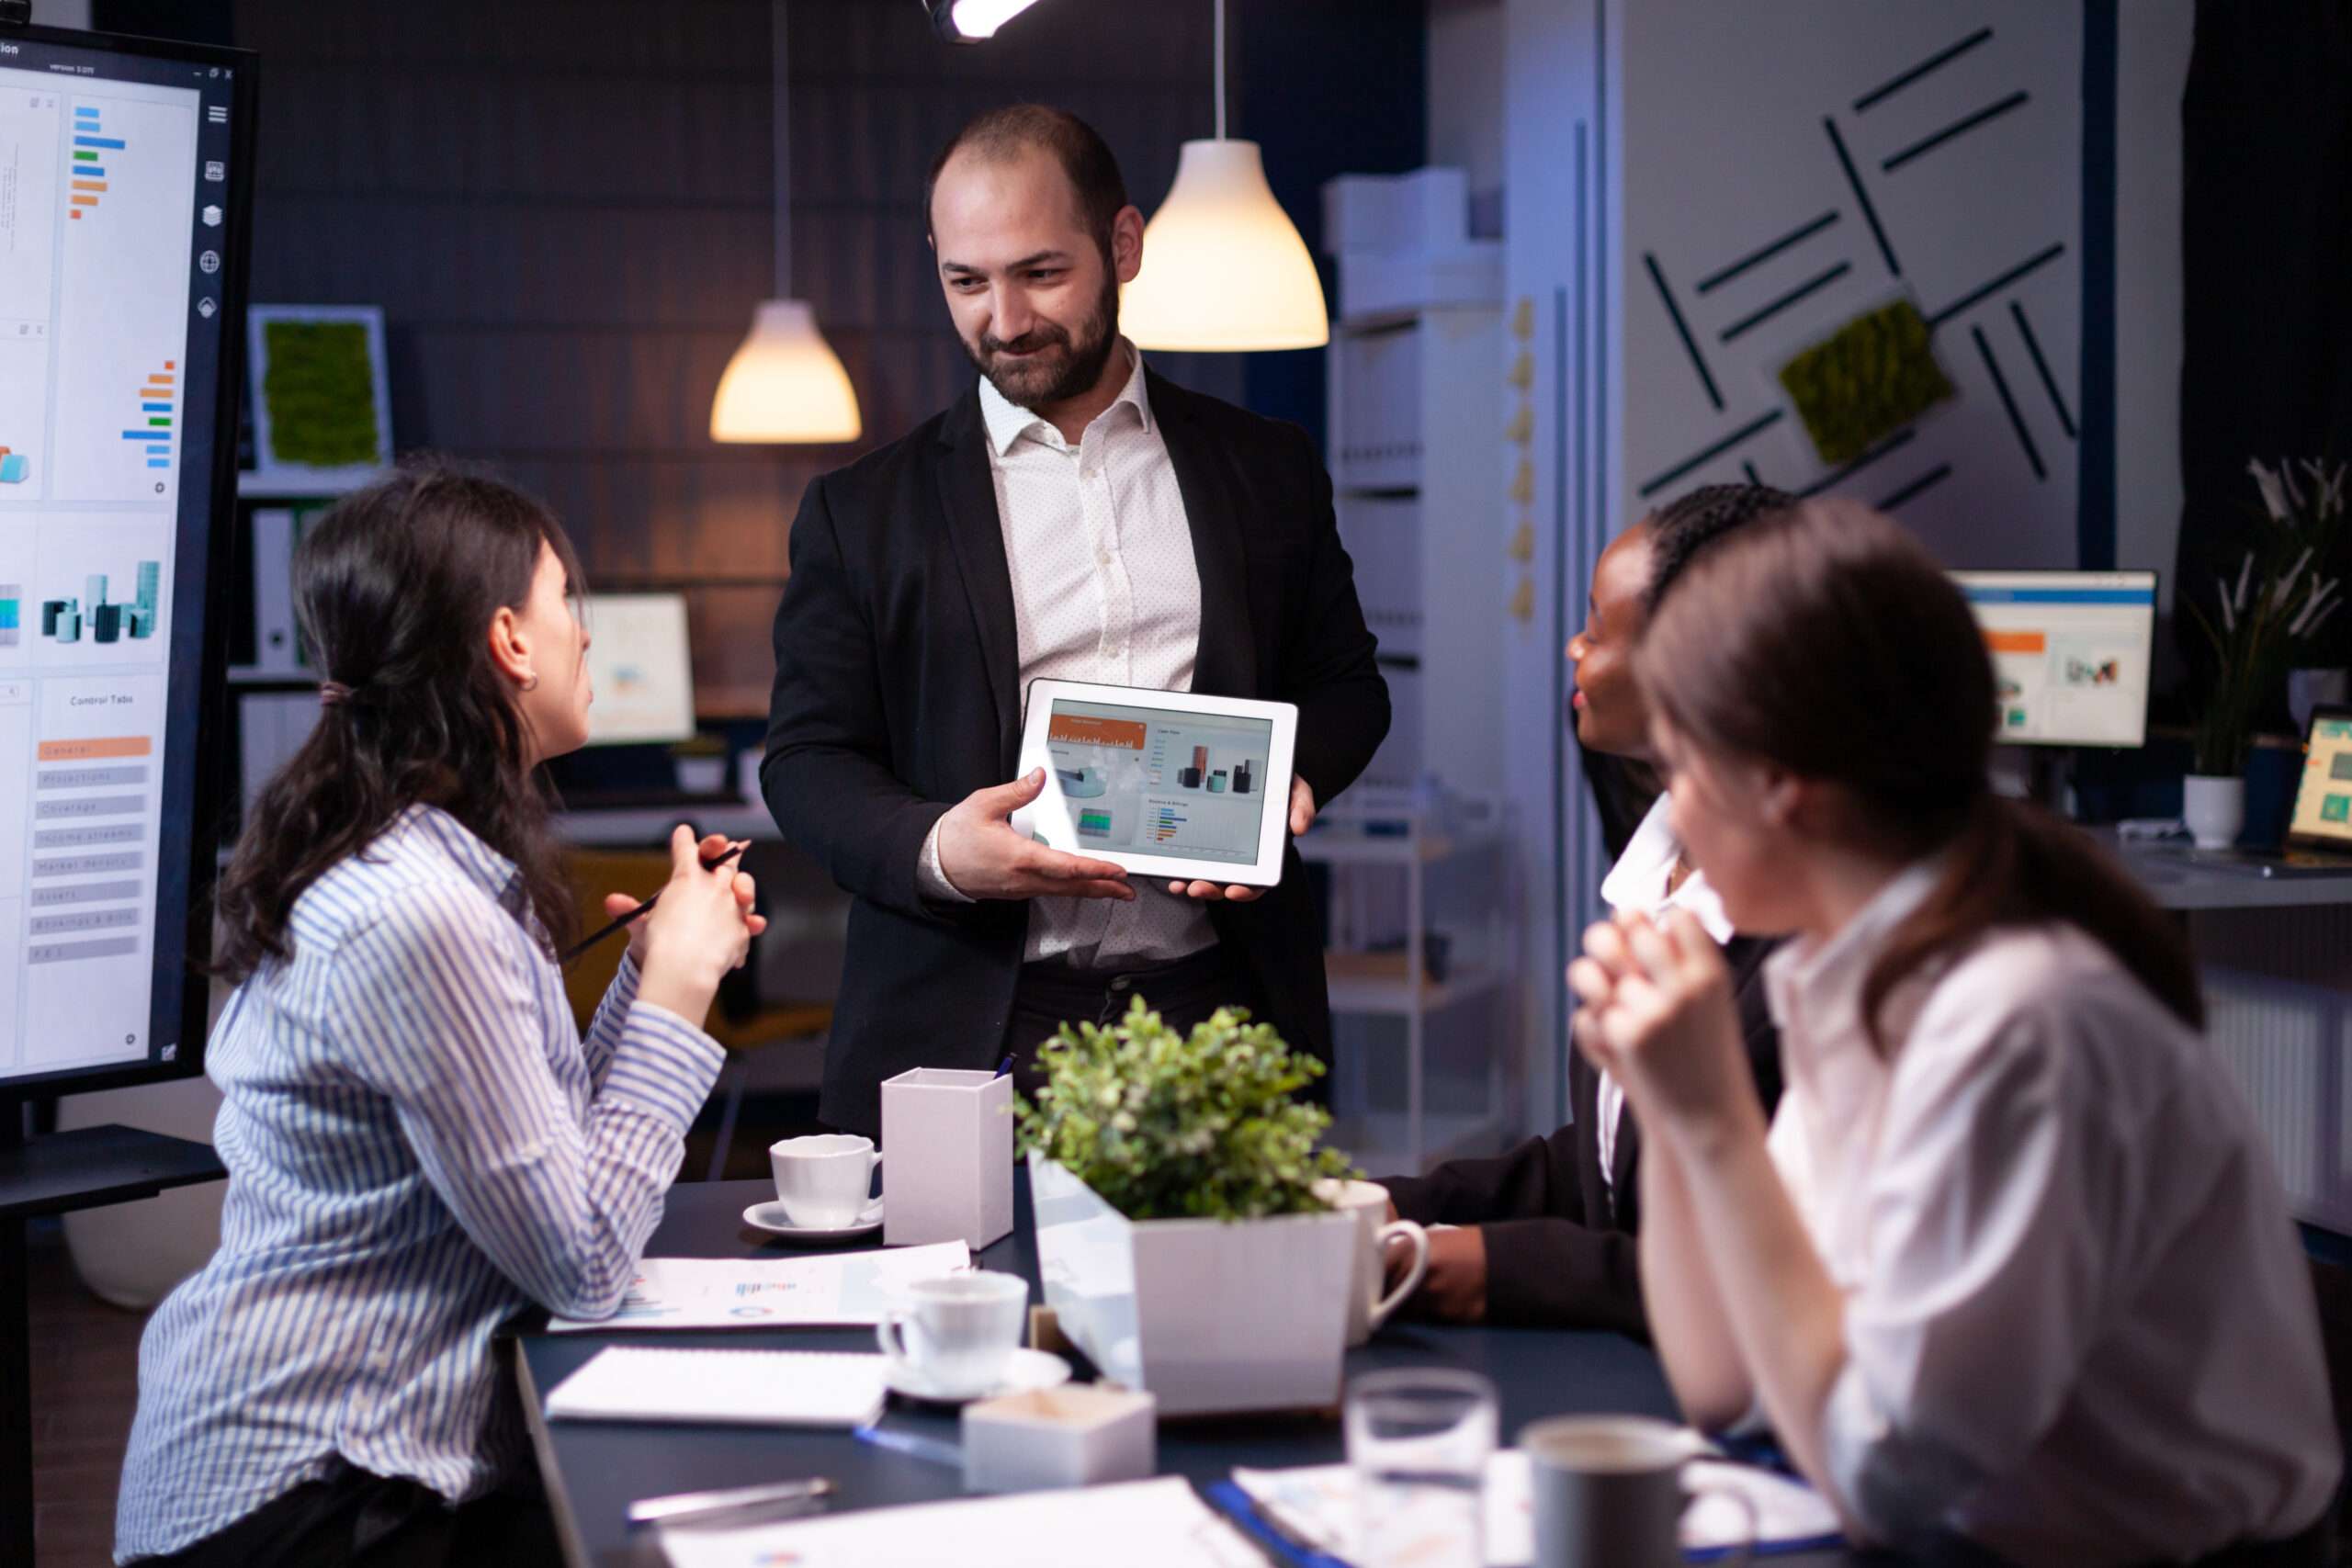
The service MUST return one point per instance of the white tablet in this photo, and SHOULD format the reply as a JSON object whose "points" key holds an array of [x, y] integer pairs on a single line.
{"points": [[1165, 783]]}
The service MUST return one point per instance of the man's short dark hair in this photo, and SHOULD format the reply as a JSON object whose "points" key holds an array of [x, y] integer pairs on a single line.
{"points": [[1690, 523], [1084, 156]]}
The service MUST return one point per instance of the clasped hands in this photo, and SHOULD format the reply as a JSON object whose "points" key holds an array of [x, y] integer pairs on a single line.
{"points": [[702, 927], [984, 856], [1655, 1010]]}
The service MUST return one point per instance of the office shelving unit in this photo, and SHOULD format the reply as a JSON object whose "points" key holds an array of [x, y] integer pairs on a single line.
{"points": [[1416, 409], [1404, 865]]}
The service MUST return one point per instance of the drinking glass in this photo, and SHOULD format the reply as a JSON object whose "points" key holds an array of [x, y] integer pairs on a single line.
{"points": [[1419, 1442]]}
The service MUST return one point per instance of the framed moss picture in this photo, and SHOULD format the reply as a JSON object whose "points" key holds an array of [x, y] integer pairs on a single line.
{"points": [[1872, 375], [322, 407]]}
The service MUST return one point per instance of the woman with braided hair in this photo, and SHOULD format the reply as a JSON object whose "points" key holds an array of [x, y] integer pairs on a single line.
{"points": [[1544, 1233]]}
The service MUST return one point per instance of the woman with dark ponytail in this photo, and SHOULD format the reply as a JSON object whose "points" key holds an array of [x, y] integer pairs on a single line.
{"points": [[2011, 1270], [420, 1143]]}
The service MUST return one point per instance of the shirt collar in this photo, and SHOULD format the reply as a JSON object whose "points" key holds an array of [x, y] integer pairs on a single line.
{"points": [[1638, 880], [481, 864], [1817, 986], [1008, 421]]}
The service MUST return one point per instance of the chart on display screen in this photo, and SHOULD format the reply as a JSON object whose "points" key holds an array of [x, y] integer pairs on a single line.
{"points": [[114, 182]]}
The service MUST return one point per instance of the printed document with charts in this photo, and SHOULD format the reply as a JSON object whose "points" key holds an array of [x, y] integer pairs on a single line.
{"points": [[847, 1289], [1317, 1503], [1137, 1524]]}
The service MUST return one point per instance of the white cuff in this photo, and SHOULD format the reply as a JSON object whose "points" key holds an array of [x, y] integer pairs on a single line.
{"points": [[931, 878]]}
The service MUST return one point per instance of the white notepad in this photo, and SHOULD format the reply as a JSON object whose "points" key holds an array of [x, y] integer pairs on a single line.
{"points": [[756, 1387]]}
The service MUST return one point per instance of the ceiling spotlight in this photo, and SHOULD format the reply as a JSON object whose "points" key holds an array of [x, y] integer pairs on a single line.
{"points": [[969, 21]]}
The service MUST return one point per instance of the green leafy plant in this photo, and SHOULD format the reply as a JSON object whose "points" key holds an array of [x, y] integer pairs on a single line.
{"points": [[2273, 611], [1865, 381], [1164, 1125]]}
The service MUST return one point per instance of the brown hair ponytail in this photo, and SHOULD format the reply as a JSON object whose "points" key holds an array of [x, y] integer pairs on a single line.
{"points": [[1825, 641], [395, 588]]}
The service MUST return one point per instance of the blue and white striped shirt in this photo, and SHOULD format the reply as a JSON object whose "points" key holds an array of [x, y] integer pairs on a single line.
{"points": [[420, 1146]]}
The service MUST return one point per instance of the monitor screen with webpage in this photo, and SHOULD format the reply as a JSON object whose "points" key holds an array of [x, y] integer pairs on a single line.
{"points": [[2070, 653], [123, 171]]}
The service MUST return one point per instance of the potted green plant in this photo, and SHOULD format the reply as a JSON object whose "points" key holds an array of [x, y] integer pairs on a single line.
{"points": [[1179, 1236], [2260, 625]]}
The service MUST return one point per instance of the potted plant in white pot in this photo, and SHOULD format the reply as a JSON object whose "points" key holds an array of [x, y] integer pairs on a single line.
{"points": [[1180, 1241], [2260, 627]]}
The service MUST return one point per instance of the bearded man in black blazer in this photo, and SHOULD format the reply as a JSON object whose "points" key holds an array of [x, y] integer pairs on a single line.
{"points": [[1075, 516]]}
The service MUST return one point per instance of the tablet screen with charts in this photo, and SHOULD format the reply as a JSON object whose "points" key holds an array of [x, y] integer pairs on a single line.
{"points": [[1165, 783]]}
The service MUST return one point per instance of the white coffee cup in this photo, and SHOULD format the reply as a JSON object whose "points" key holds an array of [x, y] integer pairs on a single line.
{"points": [[953, 1335], [1608, 1492], [1368, 1308], [822, 1179]]}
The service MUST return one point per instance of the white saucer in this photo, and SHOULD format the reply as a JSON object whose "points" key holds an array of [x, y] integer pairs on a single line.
{"points": [[1026, 1372], [770, 1217]]}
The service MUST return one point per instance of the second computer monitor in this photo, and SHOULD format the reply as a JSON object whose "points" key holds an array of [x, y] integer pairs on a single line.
{"points": [[640, 669], [2070, 653]]}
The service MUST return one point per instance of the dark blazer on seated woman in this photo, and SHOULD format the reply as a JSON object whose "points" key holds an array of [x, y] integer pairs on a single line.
{"points": [[1560, 1248]]}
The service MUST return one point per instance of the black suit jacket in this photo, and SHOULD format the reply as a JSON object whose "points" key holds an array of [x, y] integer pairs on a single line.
{"points": [[898, 694], [1560, 1248]]}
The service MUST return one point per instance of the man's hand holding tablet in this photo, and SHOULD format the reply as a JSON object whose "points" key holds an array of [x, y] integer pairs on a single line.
{"points": [[985, 857]]}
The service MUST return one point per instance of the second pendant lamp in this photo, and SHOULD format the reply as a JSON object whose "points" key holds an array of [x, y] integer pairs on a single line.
{"points": [[1224, 269], [784, 383]]}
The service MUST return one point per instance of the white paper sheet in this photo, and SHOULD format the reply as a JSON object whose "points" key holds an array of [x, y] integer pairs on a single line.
{"points": [[847, 1288], [1319, 1503], [1140, 1524]]}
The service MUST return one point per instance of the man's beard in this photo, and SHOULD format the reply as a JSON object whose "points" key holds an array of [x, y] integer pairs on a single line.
{"points": [[1048, 379]]}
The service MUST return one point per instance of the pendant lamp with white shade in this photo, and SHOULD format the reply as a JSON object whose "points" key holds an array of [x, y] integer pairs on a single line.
{"points": [[1224, 269], [784, 383]]}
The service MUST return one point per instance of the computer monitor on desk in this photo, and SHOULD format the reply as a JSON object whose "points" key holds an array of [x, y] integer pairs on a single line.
{"points": [[2070, 653], [639, 668]]}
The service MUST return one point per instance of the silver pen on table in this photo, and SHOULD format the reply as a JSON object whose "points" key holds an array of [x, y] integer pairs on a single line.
{"points": [[686, 1508]]}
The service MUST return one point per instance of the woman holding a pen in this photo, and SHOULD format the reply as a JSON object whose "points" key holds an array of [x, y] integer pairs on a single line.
{"points": [[420, 1143]]}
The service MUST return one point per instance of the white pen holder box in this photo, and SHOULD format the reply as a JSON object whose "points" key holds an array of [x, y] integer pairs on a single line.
{"points": [[1077, 1435], [949, 1136]]}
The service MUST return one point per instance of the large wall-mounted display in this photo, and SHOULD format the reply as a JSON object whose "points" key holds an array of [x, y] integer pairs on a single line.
{"points": [[122, 179]]}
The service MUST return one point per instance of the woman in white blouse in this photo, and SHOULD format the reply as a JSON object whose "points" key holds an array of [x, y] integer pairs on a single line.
{"points": [[2011, 1264]]}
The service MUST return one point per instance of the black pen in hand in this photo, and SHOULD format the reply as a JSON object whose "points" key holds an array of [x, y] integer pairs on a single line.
{"points": [[621, 923]]}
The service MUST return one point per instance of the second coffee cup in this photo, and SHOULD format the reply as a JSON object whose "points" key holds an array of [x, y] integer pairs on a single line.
{"points": [[822, 1181]]}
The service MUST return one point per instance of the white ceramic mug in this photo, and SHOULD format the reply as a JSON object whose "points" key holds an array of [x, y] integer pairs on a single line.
{"points": [[1368, 1307], [954, 1334], [822, 1181], [1608, 1492]]}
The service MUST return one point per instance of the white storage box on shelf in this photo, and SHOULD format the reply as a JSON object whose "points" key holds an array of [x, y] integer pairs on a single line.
{"points": [[1395, 212], [1212, 1317], [1374, 283]]}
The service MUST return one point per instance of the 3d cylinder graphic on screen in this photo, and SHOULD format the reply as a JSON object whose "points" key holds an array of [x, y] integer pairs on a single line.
{"points": [[1216, 782], [52, 614], [106, 622], [1242, 783], [1190, 778]]}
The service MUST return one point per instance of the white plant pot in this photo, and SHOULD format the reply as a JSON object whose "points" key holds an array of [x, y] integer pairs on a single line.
{"points": [[1210, 1315], [2213, 809]]}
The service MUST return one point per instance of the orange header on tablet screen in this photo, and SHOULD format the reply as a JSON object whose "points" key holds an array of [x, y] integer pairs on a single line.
{"points": [[1077, 730], [2016, 642]]}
